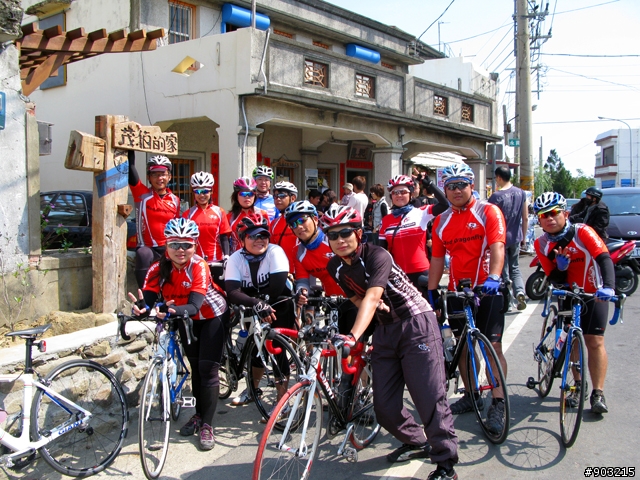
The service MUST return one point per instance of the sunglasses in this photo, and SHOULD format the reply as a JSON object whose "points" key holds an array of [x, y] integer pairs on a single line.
{"points": [[202, 191], [457, 186], [397, 193], [180, 245], [346, 233], [551, 213], [246, 194], [296, 223], [281, 196], [158, 174], [259, 236]]}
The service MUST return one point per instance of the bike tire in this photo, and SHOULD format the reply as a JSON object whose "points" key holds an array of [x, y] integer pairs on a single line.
{"points": [[226, 375], [627, 285], [365, 424], [265, 394], [154, 422], [488, 377], [546, 362], [570, 412], [536, 286], [290, 461], [81, 452]]}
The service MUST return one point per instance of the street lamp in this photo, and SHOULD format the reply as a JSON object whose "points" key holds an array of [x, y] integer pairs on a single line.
{"points": [[630, 148]]}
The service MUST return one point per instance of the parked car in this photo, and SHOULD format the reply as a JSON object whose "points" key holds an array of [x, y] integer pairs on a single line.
{"points": [[72, 210], [571, 202], [624, 211]]}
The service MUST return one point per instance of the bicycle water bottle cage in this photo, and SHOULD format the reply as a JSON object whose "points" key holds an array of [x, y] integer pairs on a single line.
{"points": [[464, 283]]}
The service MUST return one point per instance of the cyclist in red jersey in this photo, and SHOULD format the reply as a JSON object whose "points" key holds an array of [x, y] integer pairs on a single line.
{"points": [[284, 193], [404, 231], [473, 233], [155, 206], [181, 279], [243, 201], [213, 244], [577, 254], [407, 347]]}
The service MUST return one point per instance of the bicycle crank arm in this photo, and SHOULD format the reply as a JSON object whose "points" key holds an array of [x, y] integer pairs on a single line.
{"points": [[350, 453], [189, 402]]}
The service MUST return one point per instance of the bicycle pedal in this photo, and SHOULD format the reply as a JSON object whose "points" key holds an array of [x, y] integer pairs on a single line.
{"points": [[189, 402]]}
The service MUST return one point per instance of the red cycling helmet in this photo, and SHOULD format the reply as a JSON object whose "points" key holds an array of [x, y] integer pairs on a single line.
{"points": [[250, 223], [401, 180], [340, 215]]}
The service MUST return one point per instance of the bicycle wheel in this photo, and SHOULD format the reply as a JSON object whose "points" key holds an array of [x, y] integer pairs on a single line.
{"points": [[153, 421], [226, 374], [572, 395], [285, 454], [545, 362], [365, 424], [86, 449], [485, 369], [279, 372]]}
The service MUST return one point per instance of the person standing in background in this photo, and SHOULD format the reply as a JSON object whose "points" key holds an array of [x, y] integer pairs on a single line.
{"points": [[347, 188], [379, 210], [360, 199]]}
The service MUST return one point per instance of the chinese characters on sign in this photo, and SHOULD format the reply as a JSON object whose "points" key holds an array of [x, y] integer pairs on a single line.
{"points": [[133, 136]]}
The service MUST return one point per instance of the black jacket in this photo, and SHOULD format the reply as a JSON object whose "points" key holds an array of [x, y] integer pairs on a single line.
{"points": [[596, 216]]}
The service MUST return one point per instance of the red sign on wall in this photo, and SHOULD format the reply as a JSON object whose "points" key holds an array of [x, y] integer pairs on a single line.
{"points": [[215, 171], [360, 164]]}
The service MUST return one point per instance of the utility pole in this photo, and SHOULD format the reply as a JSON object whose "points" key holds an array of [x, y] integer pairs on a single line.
{"points": [[523, 95]]}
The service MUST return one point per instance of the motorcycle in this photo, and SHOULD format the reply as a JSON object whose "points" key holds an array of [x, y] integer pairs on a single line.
{"points": [[626, 269]]}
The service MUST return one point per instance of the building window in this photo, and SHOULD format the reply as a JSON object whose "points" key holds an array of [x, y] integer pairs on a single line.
{"points": [[181, 21], [283, 34], [321, 45], [467, 112], [180, 185], [440, 105], [607, 156], [365, 86], [316, 73], [388, 65]]}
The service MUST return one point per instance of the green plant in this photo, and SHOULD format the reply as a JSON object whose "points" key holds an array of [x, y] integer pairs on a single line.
{"points": [[60, 232]]}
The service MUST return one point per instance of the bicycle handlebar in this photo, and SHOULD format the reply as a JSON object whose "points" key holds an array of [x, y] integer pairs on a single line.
{"points": [[577, 292], [123, 319]]}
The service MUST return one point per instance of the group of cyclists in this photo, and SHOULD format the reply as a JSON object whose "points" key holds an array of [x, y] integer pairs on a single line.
{"points": [[267, 240]]}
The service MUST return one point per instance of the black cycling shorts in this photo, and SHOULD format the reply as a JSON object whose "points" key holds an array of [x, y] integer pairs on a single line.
{"points": [[489, 317], [594, 315]]}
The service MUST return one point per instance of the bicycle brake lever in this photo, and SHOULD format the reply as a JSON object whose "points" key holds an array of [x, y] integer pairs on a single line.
{"points": [[122, 321]]}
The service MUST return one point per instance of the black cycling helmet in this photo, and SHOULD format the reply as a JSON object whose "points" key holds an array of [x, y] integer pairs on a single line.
{"points": [[594, 192]]}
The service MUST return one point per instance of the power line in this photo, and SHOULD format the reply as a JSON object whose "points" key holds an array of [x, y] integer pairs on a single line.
{"points": [[579, 121], [589, 6], [587, 56], [481, 34], [593, 78], [445, 11], [497, 45]]}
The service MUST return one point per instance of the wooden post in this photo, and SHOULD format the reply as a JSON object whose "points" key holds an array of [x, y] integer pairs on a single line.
{"points": [[109, 230]]}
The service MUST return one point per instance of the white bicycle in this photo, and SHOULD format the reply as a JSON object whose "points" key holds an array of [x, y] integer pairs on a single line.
{"points": [[76, 417]]}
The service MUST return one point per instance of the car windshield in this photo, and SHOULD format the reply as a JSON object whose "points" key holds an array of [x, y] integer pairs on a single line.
{"points": [[622, 203]]}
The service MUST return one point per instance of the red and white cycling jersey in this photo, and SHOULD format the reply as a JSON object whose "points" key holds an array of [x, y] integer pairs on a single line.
{"points": [[466, 235], [234, 241], [585, 246], [406, 238], [152, 214], [193, 277], [314, 262], [282, 235], [212, 222]]}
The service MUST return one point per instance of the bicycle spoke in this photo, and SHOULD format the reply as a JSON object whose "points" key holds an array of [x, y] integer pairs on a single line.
{"points": [[573, 390]]}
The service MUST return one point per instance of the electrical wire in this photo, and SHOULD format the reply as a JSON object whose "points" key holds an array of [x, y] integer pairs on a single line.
{"points": [[445, 11], [497, 45], [485, 33], [588, 6], [594, 78], [588, 56]]}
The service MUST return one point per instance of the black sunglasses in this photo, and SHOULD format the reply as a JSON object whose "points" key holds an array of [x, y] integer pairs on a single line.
{"points": [[180, 245], [346, 233], [282, 196], [259, 236], [457, 186]]}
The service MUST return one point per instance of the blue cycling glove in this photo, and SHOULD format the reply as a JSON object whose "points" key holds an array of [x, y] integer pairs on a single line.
{"points": [[605, 293], [491, 286], [562, 261], [434, 298]]}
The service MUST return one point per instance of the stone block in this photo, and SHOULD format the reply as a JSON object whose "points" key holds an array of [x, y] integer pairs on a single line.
{"points": [[136, 346], [47, 367], [101, 349], [111, 359]]}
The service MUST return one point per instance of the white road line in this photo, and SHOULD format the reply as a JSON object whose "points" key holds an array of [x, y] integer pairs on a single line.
{"points": [[408, 470]]}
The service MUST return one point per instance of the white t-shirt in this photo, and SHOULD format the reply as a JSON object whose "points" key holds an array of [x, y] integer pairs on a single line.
{"points": [[359, 201], [275, 261]]}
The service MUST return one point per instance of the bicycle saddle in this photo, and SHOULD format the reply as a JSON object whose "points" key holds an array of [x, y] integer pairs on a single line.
{"points": [[31, 332]]}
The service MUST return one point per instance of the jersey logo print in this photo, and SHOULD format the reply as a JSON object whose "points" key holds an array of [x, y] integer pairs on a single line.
{"points": [[186, 284], [472, 225]]}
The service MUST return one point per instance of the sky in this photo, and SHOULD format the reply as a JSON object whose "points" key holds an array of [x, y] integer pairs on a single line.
{"points": [[600, 78]]}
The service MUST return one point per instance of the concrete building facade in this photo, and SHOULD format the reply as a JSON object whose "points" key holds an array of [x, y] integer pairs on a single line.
{"points": [[320, 94], [617, 162]]}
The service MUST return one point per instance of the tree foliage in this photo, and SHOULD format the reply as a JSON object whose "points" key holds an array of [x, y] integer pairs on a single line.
{"points": [[553, 176]]}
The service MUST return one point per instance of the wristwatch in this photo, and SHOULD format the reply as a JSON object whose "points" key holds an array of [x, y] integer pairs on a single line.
{"points": [[494, 277]]}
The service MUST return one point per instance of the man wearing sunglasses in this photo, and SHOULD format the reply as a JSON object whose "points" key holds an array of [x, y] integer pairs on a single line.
{"points": [[473, 233], [284, 194], [572, 254], [407, 347], [263, 176]]}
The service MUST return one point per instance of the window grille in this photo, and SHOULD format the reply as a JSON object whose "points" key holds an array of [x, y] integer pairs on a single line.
{"points": [[181, 20], [440, 105], [467, 112], [316, 73], [365, 86]]}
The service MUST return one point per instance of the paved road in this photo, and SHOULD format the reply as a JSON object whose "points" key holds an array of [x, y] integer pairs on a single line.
{"points": [[533, 449]]}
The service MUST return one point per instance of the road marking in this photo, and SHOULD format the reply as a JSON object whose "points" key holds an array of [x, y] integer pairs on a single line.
{"points": [[408, 470]]}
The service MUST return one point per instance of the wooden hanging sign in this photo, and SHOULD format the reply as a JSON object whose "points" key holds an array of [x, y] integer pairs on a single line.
{"points": [[133, 136]]}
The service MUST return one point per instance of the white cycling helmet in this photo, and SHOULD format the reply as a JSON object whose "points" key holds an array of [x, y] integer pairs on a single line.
{"points": [[304, 207], [548, 201], [458, 172], [286, 187], [263, 171], [401, 180], [181, 228], [158, 162], [202, 180]]}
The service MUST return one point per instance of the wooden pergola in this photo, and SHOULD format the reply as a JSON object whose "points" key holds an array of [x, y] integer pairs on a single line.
{"points": [[42, 52]]}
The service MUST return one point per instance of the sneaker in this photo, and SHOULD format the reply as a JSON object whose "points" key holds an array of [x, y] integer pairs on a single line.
{"points": [[598, 404], [522, 301], [495, 418], [465, 405], [571, 400], [192, 426], [242, 399], [206, 437], [408, 452], [441, 474]]}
